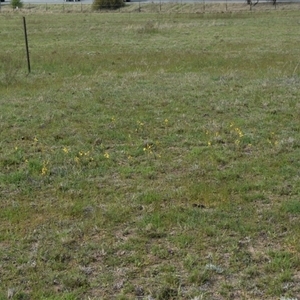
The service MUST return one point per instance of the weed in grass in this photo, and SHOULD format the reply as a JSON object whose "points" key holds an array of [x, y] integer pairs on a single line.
{"points": [[9, 68], [149, 28], [291, 206], [199, 276], [280, 261]]}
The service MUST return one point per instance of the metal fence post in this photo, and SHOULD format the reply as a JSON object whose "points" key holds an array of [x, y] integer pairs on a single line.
{"points": [[26, 45]]}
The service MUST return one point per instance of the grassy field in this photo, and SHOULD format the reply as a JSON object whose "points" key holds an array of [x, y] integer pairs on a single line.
{"points": [[150, 156]]}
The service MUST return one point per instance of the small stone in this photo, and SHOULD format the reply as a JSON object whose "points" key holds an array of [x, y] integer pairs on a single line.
{"points": [[97, 142], [139, 291], [212, 267], [88, 210], [10, 293]]}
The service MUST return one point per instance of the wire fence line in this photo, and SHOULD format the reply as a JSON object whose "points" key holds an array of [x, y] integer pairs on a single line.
{"points": [[176, 6]]}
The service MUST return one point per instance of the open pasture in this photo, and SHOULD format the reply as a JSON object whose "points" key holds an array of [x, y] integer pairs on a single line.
{"points": [[150, 156]]}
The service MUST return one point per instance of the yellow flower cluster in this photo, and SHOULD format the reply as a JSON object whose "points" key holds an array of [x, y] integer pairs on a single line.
{"points": [[217, 135], [65, 149], [272, 140], [148, 148], [45, 168]]}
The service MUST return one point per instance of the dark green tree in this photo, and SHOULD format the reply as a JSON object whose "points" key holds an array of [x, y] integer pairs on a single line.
{"points": [[16, 4], [107, 4]]}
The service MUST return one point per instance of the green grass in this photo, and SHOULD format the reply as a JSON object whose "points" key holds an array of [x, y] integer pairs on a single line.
{"points": [[150, 155]]}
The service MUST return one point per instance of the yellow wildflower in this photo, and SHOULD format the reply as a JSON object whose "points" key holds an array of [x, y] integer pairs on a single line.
{"points": [[65, 149], [44, 168], [239, 132]]}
